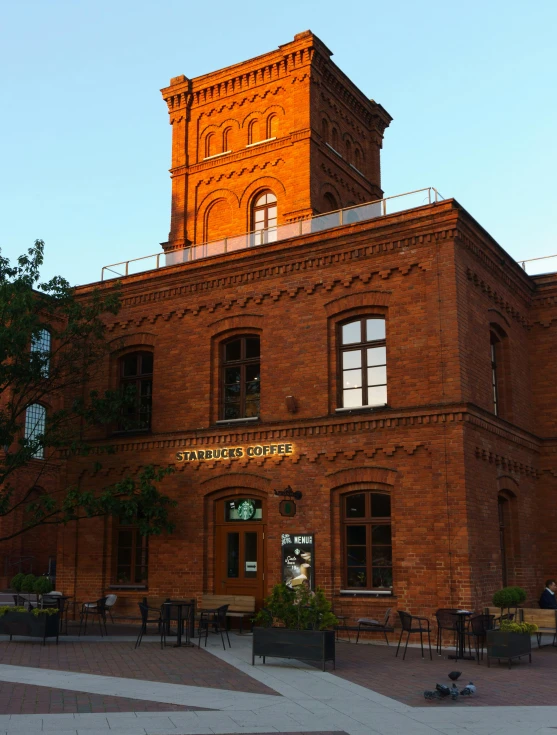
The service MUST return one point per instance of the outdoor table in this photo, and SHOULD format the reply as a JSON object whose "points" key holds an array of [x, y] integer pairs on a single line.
{"points": [[185, 613], [462, 615]]}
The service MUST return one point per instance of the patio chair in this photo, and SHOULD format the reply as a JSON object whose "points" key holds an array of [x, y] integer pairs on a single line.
{"points": [[447, 619], [110, 602], [374, 626], [477, 629], [56, 599], [413, 624], [216, 620], [149, 615], [93, 608]]}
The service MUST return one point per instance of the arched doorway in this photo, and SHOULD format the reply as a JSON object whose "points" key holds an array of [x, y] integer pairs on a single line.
{"points": [[239, 546]]}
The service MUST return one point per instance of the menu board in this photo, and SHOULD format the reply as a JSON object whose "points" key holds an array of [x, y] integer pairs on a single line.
{"points": [[297, 559]]}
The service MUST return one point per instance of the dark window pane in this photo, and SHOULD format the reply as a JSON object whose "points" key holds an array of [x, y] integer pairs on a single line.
{"points": [[355, 506], [233, 350], [232, 411], [129, 365], [252, 372], [146, 387], [232, 392], [355, 535], [123, 575], [232, 375], [125, 539], [382, 578], [252, 408], [351, 333], [380, 505], [124, 556], [381, 534], [381, 556], [375, 329], [233, 555], [356, 556], [252, 347], [250, 555], [357, 577], [147, 363], [253, 389]]}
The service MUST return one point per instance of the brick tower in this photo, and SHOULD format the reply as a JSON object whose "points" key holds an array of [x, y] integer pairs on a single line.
{"points": [[269, 141]]}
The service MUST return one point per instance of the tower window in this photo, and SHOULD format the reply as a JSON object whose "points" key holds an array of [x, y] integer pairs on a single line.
{"points": [[210, 149], [253, 132], [264, 218]]}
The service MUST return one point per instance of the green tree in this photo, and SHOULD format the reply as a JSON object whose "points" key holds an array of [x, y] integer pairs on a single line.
{"points": [[31, 374]]}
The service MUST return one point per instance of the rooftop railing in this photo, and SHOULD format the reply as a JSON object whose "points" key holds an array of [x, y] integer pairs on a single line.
{"points": [[319, 223], [534, 266]]}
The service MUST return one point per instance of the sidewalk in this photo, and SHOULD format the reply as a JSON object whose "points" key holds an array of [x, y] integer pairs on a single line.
{"points": [[220, 692]]}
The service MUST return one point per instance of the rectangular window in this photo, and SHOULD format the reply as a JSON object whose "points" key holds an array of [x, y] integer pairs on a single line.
{"points": [[363, 363], [132, 556], [241, 374], [368, 556]]}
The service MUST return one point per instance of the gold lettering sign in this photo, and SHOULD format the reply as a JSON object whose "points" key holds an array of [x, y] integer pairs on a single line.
{"points": [[254, 450]]}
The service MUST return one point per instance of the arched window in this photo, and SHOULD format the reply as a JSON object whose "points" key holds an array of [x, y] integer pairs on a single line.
{"points": [[264, 218], [272, 126], [330, 203], [357, 158], [362, 363], [367, 541], [348, 150], [226, 138], [241, 384], [35, 426], [253, 132], [40, 350], [500, 378], [136, 382], [325, 130], [210, 149], [504, 531], [334, 139]]}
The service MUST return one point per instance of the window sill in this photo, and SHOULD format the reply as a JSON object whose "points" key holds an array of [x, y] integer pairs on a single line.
{"points": [[362, 408], [366, 593], [260, 142], [247, 420], [127, 586], [216, 155]]}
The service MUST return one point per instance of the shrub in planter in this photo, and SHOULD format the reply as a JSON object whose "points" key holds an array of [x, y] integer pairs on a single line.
{"points": [[508, 597], [42, 586], [511, 640], [38, 623], [28, 584], [17, 581], [297, 624]]}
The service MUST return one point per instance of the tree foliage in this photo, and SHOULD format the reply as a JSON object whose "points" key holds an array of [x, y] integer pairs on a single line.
{"points": [[57, 378]]}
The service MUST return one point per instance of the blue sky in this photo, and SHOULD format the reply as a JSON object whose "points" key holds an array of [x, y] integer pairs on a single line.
{"points": [[86, 142]]}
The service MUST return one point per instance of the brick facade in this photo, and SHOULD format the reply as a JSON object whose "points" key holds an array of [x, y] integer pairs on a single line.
{"points": [[442, 284]]}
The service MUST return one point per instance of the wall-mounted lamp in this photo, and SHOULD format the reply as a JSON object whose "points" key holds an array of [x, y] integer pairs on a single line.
{"points": [[291, 404]]}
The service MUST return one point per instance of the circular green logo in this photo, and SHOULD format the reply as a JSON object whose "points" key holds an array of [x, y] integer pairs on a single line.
{"points": [[246, 510]]}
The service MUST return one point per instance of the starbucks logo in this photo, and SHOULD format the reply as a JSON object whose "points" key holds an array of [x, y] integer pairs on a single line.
{"points": [[246, 510]]}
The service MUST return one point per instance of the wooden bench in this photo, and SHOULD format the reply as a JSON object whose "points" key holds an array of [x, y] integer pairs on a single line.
{"points": [[546, 620], [239, 606]]}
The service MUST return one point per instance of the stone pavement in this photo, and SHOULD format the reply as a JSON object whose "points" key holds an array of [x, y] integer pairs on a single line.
{"points": [[279, 697]]}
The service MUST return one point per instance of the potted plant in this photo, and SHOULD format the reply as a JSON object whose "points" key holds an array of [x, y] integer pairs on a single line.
{"points": [[42, 586], [508, 597], [510, 640], [17, 581], [295, 623], [38, 623]]}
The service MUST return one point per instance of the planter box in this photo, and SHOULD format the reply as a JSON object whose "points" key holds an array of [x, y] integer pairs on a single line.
{"points": [[35, 626], [501, 644], [306, 645]]}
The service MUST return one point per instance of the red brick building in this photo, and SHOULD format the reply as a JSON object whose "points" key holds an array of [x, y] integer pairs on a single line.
{"points": [[390, 362]]}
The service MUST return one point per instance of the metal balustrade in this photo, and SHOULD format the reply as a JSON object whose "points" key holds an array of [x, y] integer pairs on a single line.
{"points": [[318, 223]]}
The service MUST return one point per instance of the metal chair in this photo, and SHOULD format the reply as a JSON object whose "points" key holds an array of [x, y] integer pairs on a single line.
{"points": [[215, 619], [93, 608], [110, 602], [447, 619], [413, 624], [145, 610], [374, 626], [477, 629], [56, 599]]}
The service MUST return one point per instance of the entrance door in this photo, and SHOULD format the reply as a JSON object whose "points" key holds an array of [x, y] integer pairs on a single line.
{"points": [[239, 568]]}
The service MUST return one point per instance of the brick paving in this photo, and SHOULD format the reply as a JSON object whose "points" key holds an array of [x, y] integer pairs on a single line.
{"points": [[23, 699], [375, 667], [189, 666]]}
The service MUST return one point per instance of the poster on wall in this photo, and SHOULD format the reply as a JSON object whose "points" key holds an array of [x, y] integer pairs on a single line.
{"points": [[297, 559]]}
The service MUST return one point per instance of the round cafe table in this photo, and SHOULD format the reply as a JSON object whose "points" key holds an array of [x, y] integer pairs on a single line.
{"points": [[462, 617]]}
